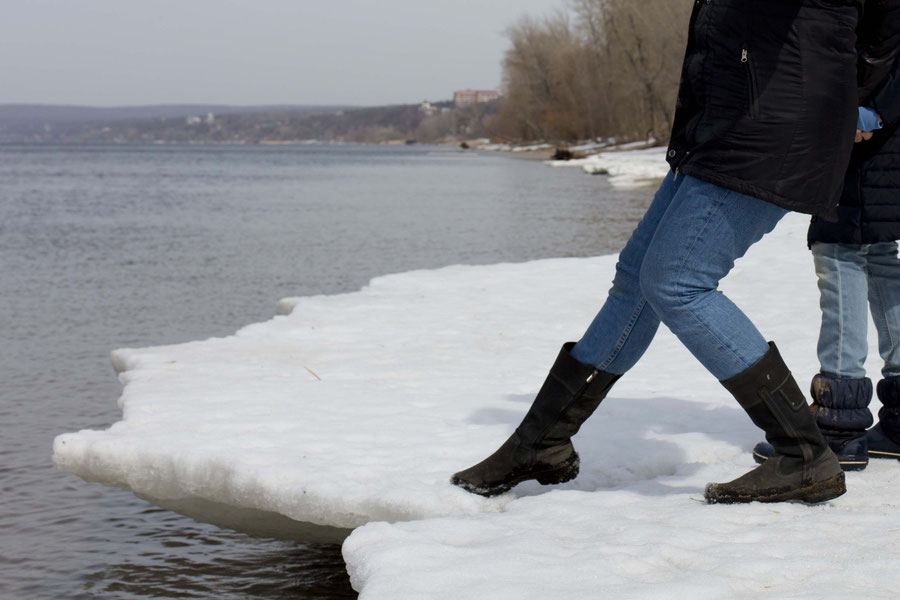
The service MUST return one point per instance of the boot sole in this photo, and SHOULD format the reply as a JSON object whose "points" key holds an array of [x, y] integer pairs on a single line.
{"points": [[846, 464], [567, 471], [820, 491], [884, 454]]}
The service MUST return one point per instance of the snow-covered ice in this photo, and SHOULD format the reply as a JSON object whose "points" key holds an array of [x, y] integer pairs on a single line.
{"points": [[626, 169], [632, 525], [353, 410]]}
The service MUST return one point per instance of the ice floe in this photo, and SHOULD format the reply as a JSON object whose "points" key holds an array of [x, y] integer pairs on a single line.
{"points": [[353, 410]]}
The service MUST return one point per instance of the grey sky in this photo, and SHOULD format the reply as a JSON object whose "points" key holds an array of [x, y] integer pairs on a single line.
{"points": [[126, 52]]}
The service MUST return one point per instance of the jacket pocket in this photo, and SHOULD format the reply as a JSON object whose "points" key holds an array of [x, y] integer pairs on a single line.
{"points": [[752, 84]]}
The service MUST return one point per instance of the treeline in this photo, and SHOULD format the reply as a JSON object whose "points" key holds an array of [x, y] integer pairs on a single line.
{"points": [[441, 122], [604, 68]]}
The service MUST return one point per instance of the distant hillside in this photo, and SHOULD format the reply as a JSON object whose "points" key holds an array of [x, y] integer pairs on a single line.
{"points": [[45, 122], [228, 124], [25, 113]]}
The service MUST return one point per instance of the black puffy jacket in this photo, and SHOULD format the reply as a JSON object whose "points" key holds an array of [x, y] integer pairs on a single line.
{"points": [[870, 204], [768, 97]]}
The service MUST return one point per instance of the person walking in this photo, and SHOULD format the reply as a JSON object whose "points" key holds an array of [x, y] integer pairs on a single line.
{"points": [[748, 145], [858, 271]]}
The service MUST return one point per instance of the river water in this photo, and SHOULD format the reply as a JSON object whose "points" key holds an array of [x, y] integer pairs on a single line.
{"points": [[104, 247]]}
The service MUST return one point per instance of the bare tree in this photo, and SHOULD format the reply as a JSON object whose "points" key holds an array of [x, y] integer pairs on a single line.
{"points": [[645, 44], [608, 67]]}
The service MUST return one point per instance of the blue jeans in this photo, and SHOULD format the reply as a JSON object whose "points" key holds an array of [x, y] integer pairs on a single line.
{"points": [[670, 270], [854, 279]]}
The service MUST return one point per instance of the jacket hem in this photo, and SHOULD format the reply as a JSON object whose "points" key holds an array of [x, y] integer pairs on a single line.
{"points": [[749, 189]]}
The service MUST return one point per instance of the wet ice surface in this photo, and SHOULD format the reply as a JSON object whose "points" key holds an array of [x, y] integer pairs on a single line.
{"points": [[357, 407]]}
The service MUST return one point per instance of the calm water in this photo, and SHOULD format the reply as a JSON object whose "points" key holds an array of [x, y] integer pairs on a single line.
{"points": [[106, 247]]}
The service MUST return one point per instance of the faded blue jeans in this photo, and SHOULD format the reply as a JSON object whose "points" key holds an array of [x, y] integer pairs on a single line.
{"points": [[669, 271], [854, 279]]}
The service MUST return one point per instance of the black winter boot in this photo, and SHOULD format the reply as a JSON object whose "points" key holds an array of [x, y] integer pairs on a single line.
{"points": [[541, 447], [803, 467], [841, 409], [884, 438]]}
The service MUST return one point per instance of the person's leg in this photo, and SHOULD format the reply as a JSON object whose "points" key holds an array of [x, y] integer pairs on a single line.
{"points": [[843, 287], [624, 327], [883, 268], [541, 447], [695, 245], [841, 392], [883, 440], [705, 229], [701, 231]]}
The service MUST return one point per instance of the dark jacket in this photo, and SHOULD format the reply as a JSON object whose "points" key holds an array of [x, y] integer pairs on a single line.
{"points": [[870, 204], [768, 97]]}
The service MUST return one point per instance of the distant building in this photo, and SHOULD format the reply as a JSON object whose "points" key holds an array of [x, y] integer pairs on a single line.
{"points": [[209, 119], [469, 97], [427, 108]]}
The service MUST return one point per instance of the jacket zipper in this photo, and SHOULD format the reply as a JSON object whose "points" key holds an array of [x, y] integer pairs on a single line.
{"points": [[752, 90]]}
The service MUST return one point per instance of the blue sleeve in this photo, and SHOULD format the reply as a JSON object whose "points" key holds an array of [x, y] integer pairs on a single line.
{"points": [[868, 119]]}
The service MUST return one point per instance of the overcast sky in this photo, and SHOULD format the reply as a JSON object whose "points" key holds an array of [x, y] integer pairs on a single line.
{"points": [[128, 52]]}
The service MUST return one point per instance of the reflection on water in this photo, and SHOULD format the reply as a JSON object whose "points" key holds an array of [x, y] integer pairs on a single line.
{"points": [[107, 247], [108, 544], [187, 561]]}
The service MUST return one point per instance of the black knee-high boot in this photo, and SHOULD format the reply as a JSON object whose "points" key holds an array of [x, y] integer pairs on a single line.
{"points": [[803, 467], [541, 447]]}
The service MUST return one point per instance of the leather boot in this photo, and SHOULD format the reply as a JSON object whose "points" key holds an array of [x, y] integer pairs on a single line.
{"points": [[803, 467], [841, 409], [541, 447]]}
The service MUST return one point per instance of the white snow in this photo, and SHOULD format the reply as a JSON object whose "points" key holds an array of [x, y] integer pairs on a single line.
{"points": [[533, 148], [632, 525], [357, 408], [626, 169], [486, 146], [608, 144]]}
